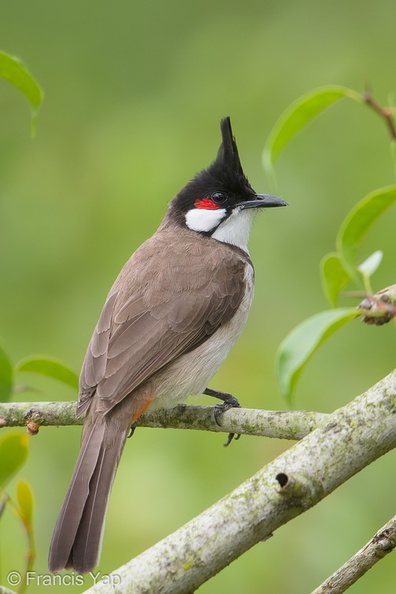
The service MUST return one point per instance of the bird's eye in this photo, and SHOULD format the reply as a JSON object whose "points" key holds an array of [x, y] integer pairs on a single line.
{"points": [[219, 197]]}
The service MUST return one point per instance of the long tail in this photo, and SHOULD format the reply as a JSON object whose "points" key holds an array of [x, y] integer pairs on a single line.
{"points": [[77, 536]]}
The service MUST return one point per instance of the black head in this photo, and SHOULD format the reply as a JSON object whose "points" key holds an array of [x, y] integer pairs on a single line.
{"points": [[218, 192]]}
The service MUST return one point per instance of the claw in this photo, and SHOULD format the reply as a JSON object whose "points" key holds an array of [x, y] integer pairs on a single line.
{"points": [[230, 437], [229, 401], [222, 407]]}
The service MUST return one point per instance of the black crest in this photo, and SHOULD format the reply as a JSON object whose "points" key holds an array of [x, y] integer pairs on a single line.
{"points": [[225, 175], [227, 166]]}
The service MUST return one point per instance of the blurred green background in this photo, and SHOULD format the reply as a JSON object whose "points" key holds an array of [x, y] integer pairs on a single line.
{"points": [[134, 95]]}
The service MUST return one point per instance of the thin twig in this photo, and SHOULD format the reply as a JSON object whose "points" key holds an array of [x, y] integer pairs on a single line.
{"points": [[380, 545], [384, 112]]}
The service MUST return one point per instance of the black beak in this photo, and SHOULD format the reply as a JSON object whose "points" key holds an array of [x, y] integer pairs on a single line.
{"points": [[263, 201]]}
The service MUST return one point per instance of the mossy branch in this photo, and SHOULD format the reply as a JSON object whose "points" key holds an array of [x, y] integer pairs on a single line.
{"points": [[280, 424], [335, 447], [351, 438]]}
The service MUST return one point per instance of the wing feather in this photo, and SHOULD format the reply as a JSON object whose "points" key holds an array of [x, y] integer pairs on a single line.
{"points": [[148, 321]]}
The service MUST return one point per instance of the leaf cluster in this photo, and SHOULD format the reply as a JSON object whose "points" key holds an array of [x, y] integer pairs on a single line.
{"points": [[340, 267]]}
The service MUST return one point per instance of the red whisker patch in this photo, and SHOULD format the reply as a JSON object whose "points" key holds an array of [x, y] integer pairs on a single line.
{"points": [[206, 203]]}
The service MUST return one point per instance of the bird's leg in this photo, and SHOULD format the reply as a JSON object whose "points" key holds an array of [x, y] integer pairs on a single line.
{"points": [[229, 401]]}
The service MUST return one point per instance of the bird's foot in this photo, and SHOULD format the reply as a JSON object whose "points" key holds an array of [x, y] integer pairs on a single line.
{"points": [[228, 401]]}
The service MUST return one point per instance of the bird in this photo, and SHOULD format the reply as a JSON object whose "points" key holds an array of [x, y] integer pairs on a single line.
{"points": [[168, 323]]}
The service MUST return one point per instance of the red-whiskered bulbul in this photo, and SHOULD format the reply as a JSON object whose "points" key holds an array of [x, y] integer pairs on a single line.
{"points": [[169, 321]]}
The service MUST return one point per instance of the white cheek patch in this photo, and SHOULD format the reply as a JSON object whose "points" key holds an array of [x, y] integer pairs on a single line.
{"points": [[203, 220]]}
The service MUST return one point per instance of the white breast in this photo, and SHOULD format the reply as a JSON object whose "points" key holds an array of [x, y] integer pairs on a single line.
{"points": [[236, 229], [191, 373]]}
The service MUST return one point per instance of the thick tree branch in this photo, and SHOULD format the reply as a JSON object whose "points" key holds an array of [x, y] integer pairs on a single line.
{"points": [[4, 590], [280, 424], [352, 438], [380, 545]]}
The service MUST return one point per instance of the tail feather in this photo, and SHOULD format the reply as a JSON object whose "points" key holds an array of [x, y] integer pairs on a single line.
{"points": [[87, 543], [77, 536]]}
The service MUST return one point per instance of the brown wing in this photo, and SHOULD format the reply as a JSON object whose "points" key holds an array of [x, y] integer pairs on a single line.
{"points": [[157, 310]]}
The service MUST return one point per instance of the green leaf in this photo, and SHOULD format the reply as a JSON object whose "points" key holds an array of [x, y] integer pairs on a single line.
{"points": [[334, 277], [6, 376], [298, 115], [368, 267], [371, 264], [13, 453], [50, 368], [25, 501], [358, 222], [13, 70], [302, 342]]}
